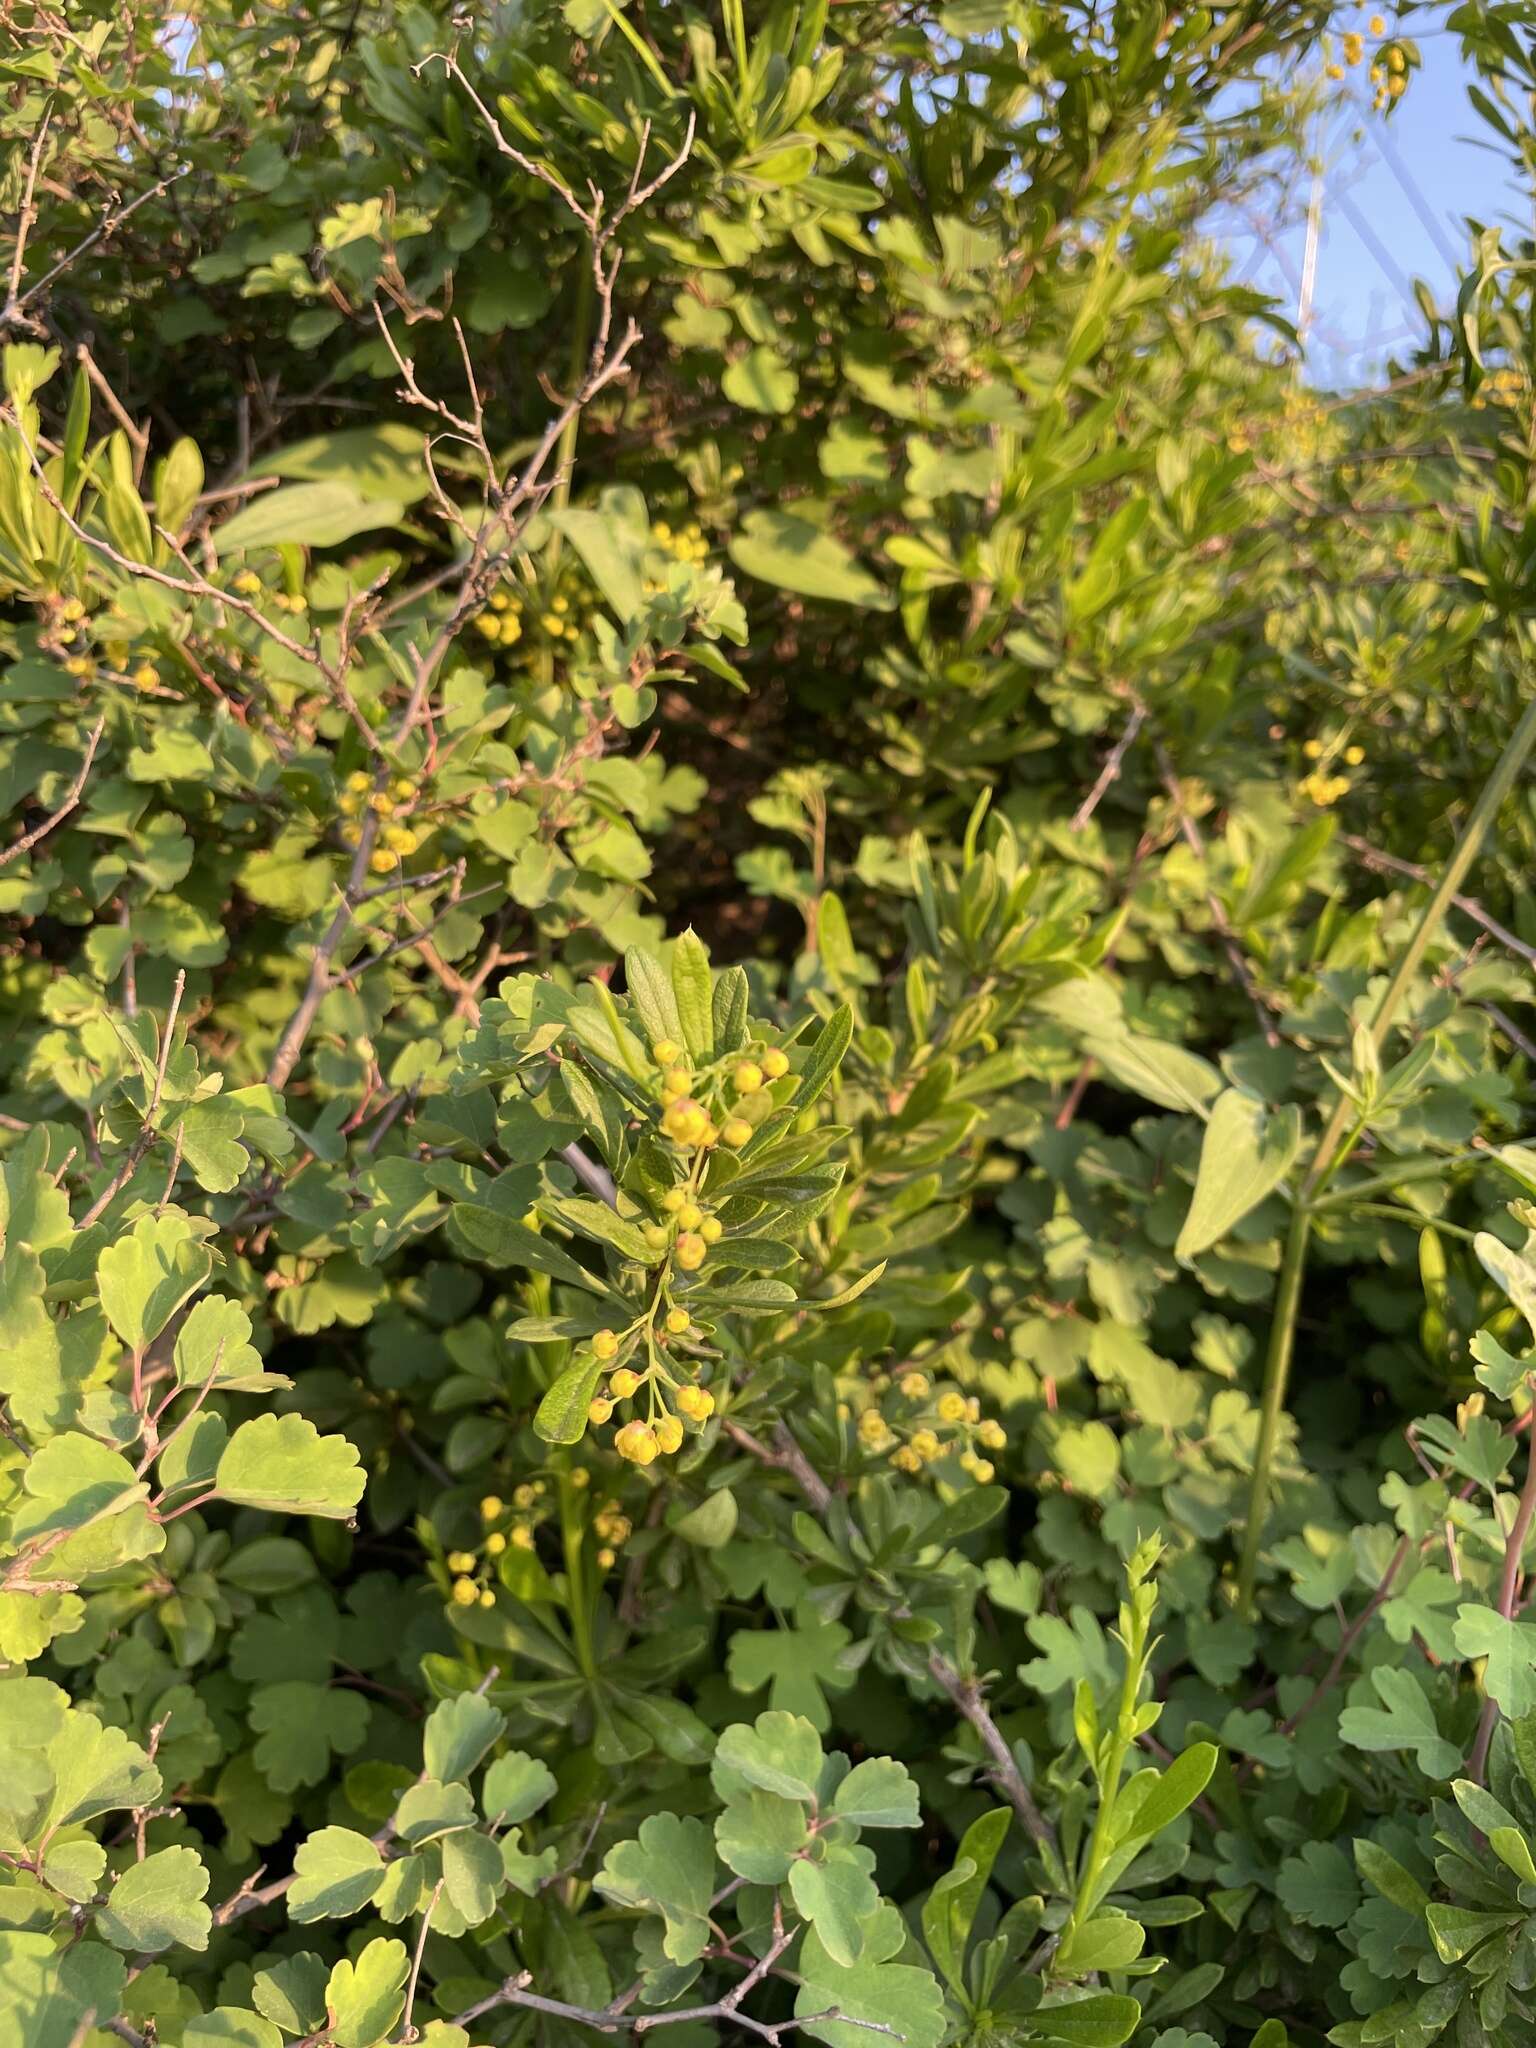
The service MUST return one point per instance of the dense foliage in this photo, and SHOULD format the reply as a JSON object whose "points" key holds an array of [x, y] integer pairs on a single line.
{"points": [[767, 1262]]}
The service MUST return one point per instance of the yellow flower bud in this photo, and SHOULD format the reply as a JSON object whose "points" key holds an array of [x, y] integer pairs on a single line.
{"points": [[145, 676], [951, 1408], [711, 1230], [684, 1121], [606, 1559], [689, 1216], [992, 1435], [1354, 756], [381, 805], [636, 1441], [495, 1544], [489, 624], [72, 609], [348, 806], [906, 1459], [689, 1251], [774, 1064], [748, 1078], [359, 783], [925, 1443], [605, 1344], [676, 1080], [678, 1320], [915, 1385], [465, 1592], [669, 1433], [656, 1236], [401, 840], [402, 789], [666, 1051], [383, 860], [492, 1509], [622, 1384], [598, 1411], [981, 1471], [522, 1539], [523, 1497], [461, 1561], [673, 1200], [697, 1403], [735, 1132]]}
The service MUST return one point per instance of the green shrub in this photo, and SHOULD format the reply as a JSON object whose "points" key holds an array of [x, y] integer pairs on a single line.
{"points": [[767, 1265]]}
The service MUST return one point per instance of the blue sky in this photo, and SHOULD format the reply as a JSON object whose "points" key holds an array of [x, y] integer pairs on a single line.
{"points": [[1396, 195]]}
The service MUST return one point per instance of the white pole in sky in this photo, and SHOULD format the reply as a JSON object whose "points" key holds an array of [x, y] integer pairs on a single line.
{"points": [[1309, 257]]}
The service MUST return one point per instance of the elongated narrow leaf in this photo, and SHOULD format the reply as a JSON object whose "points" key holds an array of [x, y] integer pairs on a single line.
{"points": [[562, 1414]]}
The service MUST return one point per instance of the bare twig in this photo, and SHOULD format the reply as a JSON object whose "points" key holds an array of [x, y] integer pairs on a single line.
{"points": [[1111, 768], [15, 308], [1388, 863], [298, 1027], [147, 1132], [25, 219], [71, 798]]}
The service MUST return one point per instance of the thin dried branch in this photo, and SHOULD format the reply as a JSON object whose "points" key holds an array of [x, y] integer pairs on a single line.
{"points": [[15, 309], [297, 1029], [147, 1132], [1389, 864], [1111, 769], [11, 312], [71, 798]]}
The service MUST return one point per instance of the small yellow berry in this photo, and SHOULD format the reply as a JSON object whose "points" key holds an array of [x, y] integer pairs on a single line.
{"points": [[465, 1592], [636, 1441], [623, 1383], [673, 1200], [689, 1216], [678, 1320], [676, 1079], [666, 1051], [711, 1230], [492, 1509], [560, 604], [605, 1344], [669, 1433], [598, 1411], [735, 1132], [1313, 750], [685, 1122], [495, 1544], [656, 1236], [487, 1598], [774, 1064], [748, 1078], [689, 1251]]}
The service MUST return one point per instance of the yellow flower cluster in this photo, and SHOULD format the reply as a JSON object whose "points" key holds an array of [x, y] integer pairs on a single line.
{"points": [[502, 620], [687, 544], [1389, 75], [1322, 789], [396, 842], [513, 1525], [612, 1529], [1500, 387], [912, 1426]]}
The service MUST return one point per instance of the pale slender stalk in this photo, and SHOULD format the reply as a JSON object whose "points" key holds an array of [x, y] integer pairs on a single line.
{"points": [[1282, 1332]]}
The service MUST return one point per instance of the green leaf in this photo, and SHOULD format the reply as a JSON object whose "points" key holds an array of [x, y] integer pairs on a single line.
{"points": [[1244, 1157], [213, 1346], [778, 1753], [47, 1992], [431, 1809], [228, 2027], [826, 1056], [283, 1464], [317, 515], [562, 1414], [903, 1999], [1457, 1930], [158, 1904], [146, 1276], [1405, 1720], [669, 1869], [366, 1998], [786, 550], [949, 1911], [693, 992], [336, 1871], [1512, 1270], [1509, 1675], [1152, 1067], [878, 1793], [458, 1734], [385, 462], [836, 1896], [473, 1874], [613, 551], [1387, 1876], [760, 382], [1109, 1941], [1102, 2020], [515, 1786], [503, 1241], [1318, 1886], [1168, 1794], [292, 1992]]}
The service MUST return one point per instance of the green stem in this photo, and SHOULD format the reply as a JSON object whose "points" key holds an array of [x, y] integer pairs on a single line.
{"points": [[1085, 1902], [572, 1536], [1282, 1333], [565, 447]]}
